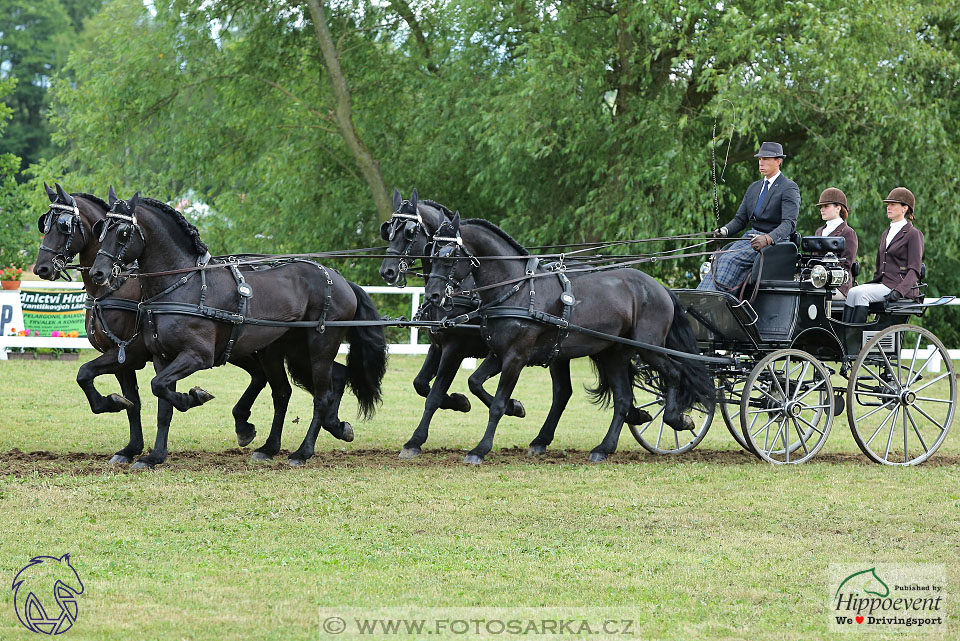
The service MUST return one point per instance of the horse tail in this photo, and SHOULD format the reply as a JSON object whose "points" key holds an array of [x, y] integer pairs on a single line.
{"points": [[695, 383], [367, 360], [602, 394], [298, 362]]}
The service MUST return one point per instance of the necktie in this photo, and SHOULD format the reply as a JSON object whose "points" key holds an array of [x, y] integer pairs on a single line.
{"points": [[763, 195]]}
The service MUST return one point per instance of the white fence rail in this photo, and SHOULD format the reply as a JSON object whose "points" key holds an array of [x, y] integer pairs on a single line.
{"points": [[412, 346]]}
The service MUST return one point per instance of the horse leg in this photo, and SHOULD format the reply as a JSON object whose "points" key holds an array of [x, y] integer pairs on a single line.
{"points": [[164, 387], [509, 375], [131, 392], [333, 397], [450, 360], [245, 430], [618, 375], [562, 391], [321, 360], [421, 382], [671, 411], [271, 365], [489, 368], [106, 363]]}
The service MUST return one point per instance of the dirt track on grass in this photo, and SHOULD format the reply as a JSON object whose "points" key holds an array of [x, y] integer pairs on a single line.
{"points": [[42, 463]]}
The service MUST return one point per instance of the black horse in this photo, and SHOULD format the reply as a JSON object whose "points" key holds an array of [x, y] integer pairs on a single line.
{"points": [[407, 232], [621, 302], [190, 324], [111, 321]]}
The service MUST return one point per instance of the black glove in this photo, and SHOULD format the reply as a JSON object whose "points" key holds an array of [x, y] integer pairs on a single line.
{"points": [[893, 296], [720, 232]]}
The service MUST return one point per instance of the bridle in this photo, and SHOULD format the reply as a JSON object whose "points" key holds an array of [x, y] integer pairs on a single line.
{"points": [[453, 250], [388, 231], [67, 224], [123, 221]]}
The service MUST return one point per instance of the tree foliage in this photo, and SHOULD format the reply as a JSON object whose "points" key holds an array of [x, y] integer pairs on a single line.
{"points": [[562, 121]]}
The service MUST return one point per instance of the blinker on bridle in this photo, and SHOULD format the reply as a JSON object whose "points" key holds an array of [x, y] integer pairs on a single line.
{"points": [[388, 231], [115, 218], [67, 224], [458, 251]]}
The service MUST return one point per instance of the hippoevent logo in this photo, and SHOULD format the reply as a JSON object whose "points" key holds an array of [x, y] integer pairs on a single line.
{"points": [[888, 598], [45, 594]]}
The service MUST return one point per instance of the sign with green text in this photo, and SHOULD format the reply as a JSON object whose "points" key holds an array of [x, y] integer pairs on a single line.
{"points": [[47, 311]]}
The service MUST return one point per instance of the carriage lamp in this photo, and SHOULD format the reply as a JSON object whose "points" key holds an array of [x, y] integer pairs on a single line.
{"points": [[819, 276], [705, 269]]}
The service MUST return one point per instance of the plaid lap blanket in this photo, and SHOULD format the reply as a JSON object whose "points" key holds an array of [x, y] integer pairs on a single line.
{"points": [[731, 269]]}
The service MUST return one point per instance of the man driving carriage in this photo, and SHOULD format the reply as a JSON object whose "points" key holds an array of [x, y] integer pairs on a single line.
{"points": [[769, 211]]}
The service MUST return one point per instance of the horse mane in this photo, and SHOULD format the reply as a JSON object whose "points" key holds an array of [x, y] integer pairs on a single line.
{"points": [[443, 208], [187, 227], [94, 199], [486, 224]]}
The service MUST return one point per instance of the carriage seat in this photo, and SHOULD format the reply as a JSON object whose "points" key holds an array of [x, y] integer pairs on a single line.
{"points": [[779, 263], [884, 306]]}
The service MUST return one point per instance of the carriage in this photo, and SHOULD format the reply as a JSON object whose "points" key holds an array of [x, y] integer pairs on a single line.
{"points": [[785, 365]]}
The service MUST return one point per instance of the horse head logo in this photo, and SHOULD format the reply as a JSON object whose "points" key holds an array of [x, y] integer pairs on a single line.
{"points": [[867, 582], [45, 594]]}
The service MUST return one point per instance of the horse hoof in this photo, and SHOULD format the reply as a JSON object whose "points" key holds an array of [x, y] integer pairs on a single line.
{"points": [[597, 457], [245, 438], [346, 434], [408, 453], [688, 424], [120, 459], [141, 465], [260, 456], [295, 462], [637, 416], [517, 409], [201, 395], [461, 402], [536, 450], [121, 402], [472, 459]]}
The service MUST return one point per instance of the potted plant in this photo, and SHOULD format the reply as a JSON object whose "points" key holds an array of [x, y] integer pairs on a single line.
{"points": [[10, 277]]}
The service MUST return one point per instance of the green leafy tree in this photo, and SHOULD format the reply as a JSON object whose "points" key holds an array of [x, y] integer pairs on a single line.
{"points": [[15, 238]]}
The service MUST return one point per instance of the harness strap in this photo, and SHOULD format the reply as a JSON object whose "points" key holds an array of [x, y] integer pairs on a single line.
{"points": [[96, 306], [244, 292]]}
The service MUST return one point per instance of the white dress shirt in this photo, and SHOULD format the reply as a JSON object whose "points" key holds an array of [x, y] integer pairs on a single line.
{"points": [[894, 230], [830, 225]]}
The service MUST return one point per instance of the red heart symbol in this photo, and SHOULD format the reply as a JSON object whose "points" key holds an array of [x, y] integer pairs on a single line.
{"points": [[859, 619]]}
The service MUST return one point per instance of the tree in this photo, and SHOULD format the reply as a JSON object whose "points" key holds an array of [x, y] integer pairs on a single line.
{"points": [[14, 223]]}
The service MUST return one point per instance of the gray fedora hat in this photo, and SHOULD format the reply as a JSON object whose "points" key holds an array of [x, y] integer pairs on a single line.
{"points": [[770, 150]]}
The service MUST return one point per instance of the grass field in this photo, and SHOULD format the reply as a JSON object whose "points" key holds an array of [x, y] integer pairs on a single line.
{"points": [[712, 544]]}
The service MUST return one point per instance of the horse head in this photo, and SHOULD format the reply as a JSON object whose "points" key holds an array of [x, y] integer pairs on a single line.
{"points": [[64, 234], [121, 238], [451, 263]]}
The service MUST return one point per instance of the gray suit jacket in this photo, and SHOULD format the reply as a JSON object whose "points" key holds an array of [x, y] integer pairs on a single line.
{"points": [[777, 217]]}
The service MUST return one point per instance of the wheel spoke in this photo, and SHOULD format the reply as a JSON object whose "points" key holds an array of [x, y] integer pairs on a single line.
{"points": [[925, 363], [764, 410], [906, 448], [803, 374], [775, 437], [930, 382], [914, 360], [893, 424], [890, 368], [916, 429], [872, 412], [776, 381], [653, 418], [786, 378], [879, 380], [812, 426], [934, 400], [815, 387], [803, 441], [929, 418], [884, 422], [753, 435]]}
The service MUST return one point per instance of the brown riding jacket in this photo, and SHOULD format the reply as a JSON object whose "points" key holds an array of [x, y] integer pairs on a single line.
{"points": [[898, 266], [849, 254]]}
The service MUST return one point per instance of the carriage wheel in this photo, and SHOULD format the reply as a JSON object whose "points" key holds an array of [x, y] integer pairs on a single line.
{"points": [[657, 437], [788, 411], [897, 413], [730, 393]]}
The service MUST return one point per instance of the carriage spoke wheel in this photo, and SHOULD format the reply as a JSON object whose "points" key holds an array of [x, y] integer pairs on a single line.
{"points": [[899, 411], [656, 436], [730, 393], [787, 407]]}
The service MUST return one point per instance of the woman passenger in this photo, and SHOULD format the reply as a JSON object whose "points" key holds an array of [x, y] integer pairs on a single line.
{"points": [[834, 212], [899, 258]]}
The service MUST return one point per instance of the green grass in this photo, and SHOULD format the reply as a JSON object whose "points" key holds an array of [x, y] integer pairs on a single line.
{"points": [[713, 544]]}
